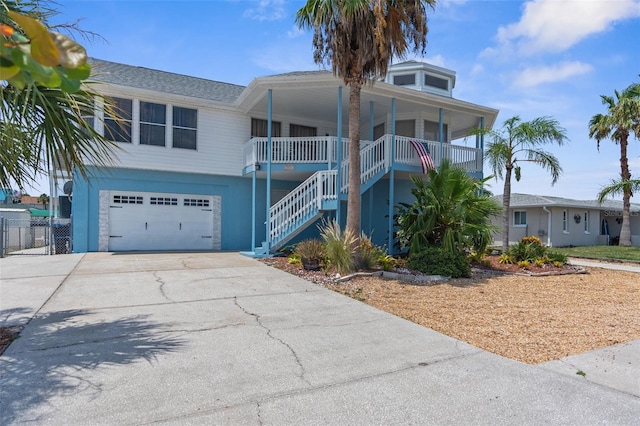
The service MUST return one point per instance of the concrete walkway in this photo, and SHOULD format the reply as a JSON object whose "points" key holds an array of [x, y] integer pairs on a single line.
{"points": [[202, 338]]}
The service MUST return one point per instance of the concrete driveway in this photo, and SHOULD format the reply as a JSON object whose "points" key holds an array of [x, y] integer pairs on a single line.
{"points": [[218, 338]]}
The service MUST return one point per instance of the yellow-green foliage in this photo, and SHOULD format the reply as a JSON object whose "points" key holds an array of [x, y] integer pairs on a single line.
{"points": [[505, 259], [524, 264]]}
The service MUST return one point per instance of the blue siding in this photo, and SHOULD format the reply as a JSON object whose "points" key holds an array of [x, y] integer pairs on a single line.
{"points": [[234, 191]]}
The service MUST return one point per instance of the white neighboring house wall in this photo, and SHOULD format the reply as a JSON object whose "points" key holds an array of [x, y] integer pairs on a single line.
{"points": [[573, 232]]}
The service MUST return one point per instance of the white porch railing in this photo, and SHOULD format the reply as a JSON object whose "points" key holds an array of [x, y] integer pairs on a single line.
{"points": [[312, 149], [304, 202], [374, 157], [322, 149]]}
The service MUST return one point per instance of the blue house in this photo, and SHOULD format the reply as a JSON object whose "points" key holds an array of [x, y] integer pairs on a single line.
{"points": [[207, 165]]}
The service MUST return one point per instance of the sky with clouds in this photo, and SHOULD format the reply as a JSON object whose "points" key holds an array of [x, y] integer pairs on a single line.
{"points": [[527, 58]]}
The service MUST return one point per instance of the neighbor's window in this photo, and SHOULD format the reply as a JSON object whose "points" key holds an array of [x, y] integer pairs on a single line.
{"points": [[259, 128], [185, 127], [404, 79], [519, 218], [153, 120], [586, 222], [118, 130], [565, 221]]}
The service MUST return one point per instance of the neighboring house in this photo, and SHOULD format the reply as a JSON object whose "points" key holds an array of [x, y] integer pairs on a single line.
{"points": [[561, 222], [195, 173]]}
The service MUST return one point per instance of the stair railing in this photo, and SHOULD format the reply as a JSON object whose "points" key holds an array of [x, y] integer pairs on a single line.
{"points": [[301, 203]]}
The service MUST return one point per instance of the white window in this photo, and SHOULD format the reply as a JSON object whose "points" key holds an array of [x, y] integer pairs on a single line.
{"points": [[565, 221], [404, 79], [432, 131], [586, 222], [153, 119], [117, 120], [185, 127], [519, 218], [437, 82]]}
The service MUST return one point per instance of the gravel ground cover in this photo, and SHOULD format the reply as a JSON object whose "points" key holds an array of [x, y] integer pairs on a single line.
{"points": [[531, 318]]}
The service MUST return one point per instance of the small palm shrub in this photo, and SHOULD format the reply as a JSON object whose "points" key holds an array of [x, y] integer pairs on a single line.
{"points": [[311, 253], [437, 261], [386, 262], [368, 254], [340, 246], [528, 248]]}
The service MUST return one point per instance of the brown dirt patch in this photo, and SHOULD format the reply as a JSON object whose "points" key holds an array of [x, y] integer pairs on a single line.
{"points": [[527, 318]]}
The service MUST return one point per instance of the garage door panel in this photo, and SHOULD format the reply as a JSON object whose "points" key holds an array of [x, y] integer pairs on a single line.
{"points": [[157, 221]]}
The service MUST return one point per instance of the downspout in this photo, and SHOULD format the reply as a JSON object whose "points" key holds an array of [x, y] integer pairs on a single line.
{"points": [[339, 155], [392, 172], [548, 225]]}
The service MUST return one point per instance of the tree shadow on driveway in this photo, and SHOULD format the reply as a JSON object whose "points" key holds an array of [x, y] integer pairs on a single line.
{"points": [[53, 353]]}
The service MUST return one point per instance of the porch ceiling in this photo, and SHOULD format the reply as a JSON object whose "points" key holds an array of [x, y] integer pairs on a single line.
{"points": [[316, 94]]}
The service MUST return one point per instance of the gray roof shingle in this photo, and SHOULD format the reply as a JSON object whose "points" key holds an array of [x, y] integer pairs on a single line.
{"points": [[163, 81]]}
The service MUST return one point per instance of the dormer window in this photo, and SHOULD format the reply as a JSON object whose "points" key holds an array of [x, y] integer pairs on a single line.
{"points": [[404, 79], [437, 82]]}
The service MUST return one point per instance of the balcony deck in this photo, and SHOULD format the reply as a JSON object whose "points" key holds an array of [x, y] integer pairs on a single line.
{"points": [[311, 154]]}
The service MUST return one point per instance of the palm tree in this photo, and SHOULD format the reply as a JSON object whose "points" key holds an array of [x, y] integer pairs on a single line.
{"points": [[622, 119], [451, 210], [359, 38], [44, 200], [517, 142], [45, 99]]}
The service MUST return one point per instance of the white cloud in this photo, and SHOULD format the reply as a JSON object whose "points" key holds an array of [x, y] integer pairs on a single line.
{"points": [[295, 32], [437, 60], [553, 25], [535, 76], [477, 69], [267, 10]]}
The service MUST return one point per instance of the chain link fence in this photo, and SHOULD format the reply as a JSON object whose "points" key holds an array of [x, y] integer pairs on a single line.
{"points": [[34, 236]]}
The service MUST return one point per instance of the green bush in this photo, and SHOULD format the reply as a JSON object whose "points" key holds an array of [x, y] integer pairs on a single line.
{"points": [[528, 248], [437, 261], [311, 253], [556, 256]]}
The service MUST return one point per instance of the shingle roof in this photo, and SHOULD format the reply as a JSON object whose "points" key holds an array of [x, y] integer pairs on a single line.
{"points": [[527, 200], [162, 81]]}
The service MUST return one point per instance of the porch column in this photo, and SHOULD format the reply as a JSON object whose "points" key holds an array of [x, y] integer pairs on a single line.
{"points": [[253, 208], [392, 172], [339, 154], [371, 136], [482, 148], [371, 118], [268, 221], [440, 136]]}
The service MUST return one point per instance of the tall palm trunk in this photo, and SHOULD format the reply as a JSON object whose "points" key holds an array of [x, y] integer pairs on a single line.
{"points": [[353, 200], [625, 231], [506, 202]]}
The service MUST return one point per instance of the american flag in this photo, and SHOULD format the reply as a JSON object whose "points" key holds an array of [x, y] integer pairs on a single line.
{"points": [[425, 158]]}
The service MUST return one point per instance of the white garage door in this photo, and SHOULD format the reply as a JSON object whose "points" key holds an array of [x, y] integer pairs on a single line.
{"points": [[159, 221]]}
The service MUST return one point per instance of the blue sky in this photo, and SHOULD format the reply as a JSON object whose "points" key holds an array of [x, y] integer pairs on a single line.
{"points": [[528, 58]]}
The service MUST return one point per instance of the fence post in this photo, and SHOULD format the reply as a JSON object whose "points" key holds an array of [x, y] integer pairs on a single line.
{"points": [[1, 237]]}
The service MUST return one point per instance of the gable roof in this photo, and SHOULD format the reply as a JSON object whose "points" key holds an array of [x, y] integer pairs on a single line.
{"points": [[163, 81], [526, 200]]}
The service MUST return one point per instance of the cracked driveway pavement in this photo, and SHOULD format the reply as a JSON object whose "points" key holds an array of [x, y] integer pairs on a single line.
{"points": [[218, 338]]}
